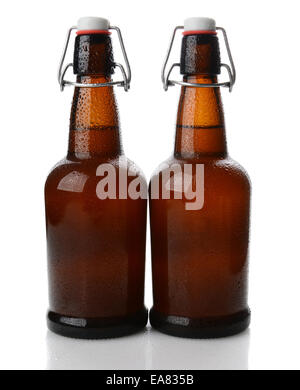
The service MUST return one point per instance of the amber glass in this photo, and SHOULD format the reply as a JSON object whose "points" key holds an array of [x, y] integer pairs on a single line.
{"points": [[96, 247], [199, 257]]}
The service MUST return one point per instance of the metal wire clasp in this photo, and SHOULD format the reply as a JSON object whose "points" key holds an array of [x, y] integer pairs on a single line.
{"points": [[230, 69], [125, 83]]}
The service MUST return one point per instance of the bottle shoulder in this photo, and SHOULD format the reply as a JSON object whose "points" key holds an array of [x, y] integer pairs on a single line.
{"points": [[214, 168], [132, 167], [75, 173]]}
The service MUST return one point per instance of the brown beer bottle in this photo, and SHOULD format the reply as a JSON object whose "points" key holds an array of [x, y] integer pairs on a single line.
{"points": [[95, 233], [199, 250]]}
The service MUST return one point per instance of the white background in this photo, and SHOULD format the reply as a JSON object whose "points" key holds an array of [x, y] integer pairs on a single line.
{"points": [[262, 116]]}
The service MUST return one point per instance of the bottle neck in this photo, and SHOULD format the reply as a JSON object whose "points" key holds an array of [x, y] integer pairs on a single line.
{"points": [[200, 129], [200, 121], [94, 122]]}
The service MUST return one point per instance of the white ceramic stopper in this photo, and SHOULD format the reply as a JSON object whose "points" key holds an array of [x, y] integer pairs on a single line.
{"points": [[92, 23], [199, 24]]}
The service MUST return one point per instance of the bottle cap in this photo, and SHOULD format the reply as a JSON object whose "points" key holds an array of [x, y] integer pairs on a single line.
{"points": [[92, 23], [199, 24]]}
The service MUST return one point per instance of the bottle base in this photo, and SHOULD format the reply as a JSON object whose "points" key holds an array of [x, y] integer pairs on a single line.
{"points": [[96, 328], [200, 328]]}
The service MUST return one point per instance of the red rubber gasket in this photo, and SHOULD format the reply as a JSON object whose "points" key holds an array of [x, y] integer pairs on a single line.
{"points": [[194, 32], [84, 32]]}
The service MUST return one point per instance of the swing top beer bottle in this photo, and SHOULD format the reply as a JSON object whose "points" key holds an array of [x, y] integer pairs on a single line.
{"points": [[96, 245], [199, 254]]}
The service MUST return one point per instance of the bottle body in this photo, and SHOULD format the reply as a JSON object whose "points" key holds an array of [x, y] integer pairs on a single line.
{"points": [[200, 257], [96, 253]]}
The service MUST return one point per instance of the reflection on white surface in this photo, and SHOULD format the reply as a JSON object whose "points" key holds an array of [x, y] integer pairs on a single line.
{"points": [[169, 352], [121, 353], [148, 350]]}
